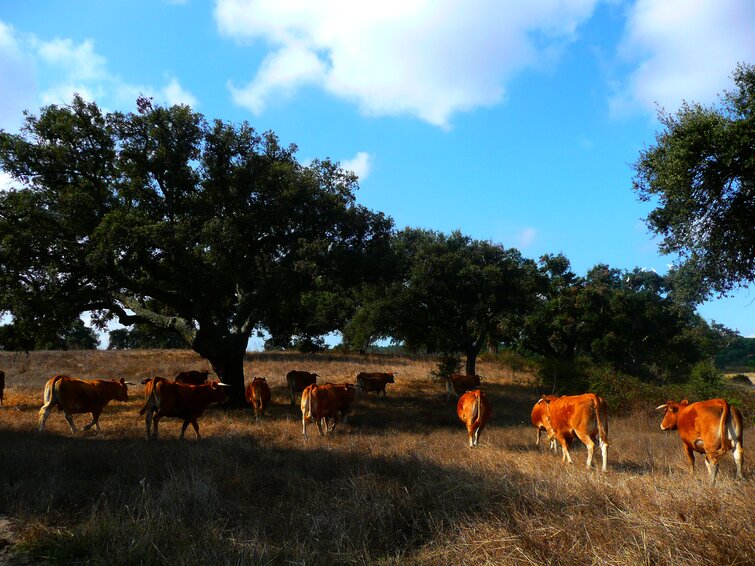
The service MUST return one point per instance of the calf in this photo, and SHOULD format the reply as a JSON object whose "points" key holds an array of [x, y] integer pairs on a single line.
{"points": [[460, 383], [80, 396], [297, 381], [538, 419], [187, 402], [473, 410], [710, 427], [258, 396], [373, 381], [581, 416]]}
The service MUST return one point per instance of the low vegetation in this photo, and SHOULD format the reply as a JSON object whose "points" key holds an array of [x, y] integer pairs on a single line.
{"points": [[396, 485]]}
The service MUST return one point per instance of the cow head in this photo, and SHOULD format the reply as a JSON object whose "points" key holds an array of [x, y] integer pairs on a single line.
{"points": [[122, 392], [671, 414], [390, 378], [217, 392]]}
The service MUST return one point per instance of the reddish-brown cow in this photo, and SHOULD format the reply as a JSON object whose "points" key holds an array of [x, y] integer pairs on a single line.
{"points": [[258, 396], [538, 419], [459, 383], [341, 398], [473, 410], [80, 396], [710, 427], [373, 381], [581, 416], [187, 402], [298, 381], [192, 377], [317, 405]]}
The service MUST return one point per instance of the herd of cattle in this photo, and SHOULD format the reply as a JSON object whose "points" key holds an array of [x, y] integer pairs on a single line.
{"points": [[711, 427]]}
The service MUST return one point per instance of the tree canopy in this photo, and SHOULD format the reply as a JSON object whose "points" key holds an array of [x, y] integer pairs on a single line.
{"points": [[162, 217], [701, 172]]}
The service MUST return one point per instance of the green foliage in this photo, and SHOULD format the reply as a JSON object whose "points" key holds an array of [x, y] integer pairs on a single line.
{"points": [[701, 172], [447, 364], [739, 352], [75, 336], [706, 381], [144, 337]]}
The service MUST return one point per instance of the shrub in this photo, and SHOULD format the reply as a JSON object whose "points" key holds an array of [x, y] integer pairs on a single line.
{"points": [[447, 364]]}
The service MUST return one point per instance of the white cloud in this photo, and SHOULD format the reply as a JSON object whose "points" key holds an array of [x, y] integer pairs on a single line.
{"points": [[682, 50], [67, 67], [425, 58], [526, 237], [360, 164]]}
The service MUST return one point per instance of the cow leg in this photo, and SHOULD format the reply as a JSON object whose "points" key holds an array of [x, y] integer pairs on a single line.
{"points": [[477, 435], [690, 454], [604, 454], [69, 418], [95, 421], [195, 424], [154, 425], [738, 454], [537, 441], [319, 426], [304, 427], [43, 419], [564, 449], [590, 443], [293, 397], [183, 428]]}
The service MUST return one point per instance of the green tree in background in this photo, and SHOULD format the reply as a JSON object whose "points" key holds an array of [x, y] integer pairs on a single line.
{"points": [[160, 211], [74, 336], [701, 172]]}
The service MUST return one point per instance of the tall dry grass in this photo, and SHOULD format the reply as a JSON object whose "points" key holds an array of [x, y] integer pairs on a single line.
{"points": [[397, 485]]}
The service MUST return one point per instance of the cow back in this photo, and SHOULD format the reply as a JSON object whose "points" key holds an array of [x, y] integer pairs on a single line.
{"points": [[298, 380], [186, 401]]}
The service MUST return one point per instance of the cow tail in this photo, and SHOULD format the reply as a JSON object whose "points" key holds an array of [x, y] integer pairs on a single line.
{"points": [[724, 417], [306, 406], [150, 398], [600, 412], [49, 396]]}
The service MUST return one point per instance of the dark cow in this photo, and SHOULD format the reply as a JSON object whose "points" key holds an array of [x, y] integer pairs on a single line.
{"points": [[80, 396], [177, 400], [710, 427], [538, 419], [461, 383], [192, 377], [581, 416], [258, 396], [473, 410], [298, 381], [373, 381]]}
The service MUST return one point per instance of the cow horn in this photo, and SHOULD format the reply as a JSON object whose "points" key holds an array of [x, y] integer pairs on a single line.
{"points": [[129, 383], [661, 407], [224, 384]]}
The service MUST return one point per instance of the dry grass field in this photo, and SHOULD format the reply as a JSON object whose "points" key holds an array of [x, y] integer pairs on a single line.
{"points": [[397, 485]]}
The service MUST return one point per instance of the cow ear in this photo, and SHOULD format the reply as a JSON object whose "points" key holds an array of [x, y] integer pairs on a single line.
{"points": [[122, 381], [684, 402]]}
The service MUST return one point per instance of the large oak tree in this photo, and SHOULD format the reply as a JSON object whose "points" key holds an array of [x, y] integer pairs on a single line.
{"points": [[163, 217]]}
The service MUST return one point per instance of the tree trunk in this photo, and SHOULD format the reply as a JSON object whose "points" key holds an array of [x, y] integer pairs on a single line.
{"points": [[226, 355]]}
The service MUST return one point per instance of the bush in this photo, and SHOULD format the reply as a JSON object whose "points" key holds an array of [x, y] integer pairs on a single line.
{"points": [[563, 376], [706, 381], [447, 364]]}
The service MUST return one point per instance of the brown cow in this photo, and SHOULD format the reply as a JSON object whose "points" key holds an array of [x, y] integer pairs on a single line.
{"points": [[373, 381], [2, 386], [80, 396], [473, 409], [538, 419], [187, 402], [258, 396], [341, 398], [297, 381], [710, 427], [192, 377], [582, 416], [461, 383], [317, 405]]}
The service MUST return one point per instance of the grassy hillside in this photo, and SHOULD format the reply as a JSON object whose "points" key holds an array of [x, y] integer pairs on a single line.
{"points": [[397, 485]]}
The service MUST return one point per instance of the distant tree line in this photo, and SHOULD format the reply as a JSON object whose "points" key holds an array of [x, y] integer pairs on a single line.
{"points": [[210, 231]]}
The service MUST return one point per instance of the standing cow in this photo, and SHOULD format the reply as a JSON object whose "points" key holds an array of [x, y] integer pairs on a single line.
{"points": [[581, 416], [258, 396], [80, 396], [373, 381], [187, 402], [538, 419], [317, 406], [710, 427], [473, 410], [459, 383], [298, 381], [342, 396]]}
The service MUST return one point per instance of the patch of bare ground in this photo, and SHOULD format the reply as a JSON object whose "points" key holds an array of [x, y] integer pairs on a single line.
{"points": [[396, 485]]}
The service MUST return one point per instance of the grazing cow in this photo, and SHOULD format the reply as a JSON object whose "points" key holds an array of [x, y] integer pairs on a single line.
{"points": [[317, 405], [582, 416], [298, 381], [192, 377], [187, 402], [258, 395], [373, 381], [341, 397], [460, 383], [473, 409], [2, 386], [538, 419], [710, 427], [80, 396]]}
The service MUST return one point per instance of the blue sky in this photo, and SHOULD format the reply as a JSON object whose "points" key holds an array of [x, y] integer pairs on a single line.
{"points": [[511, 121]]}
